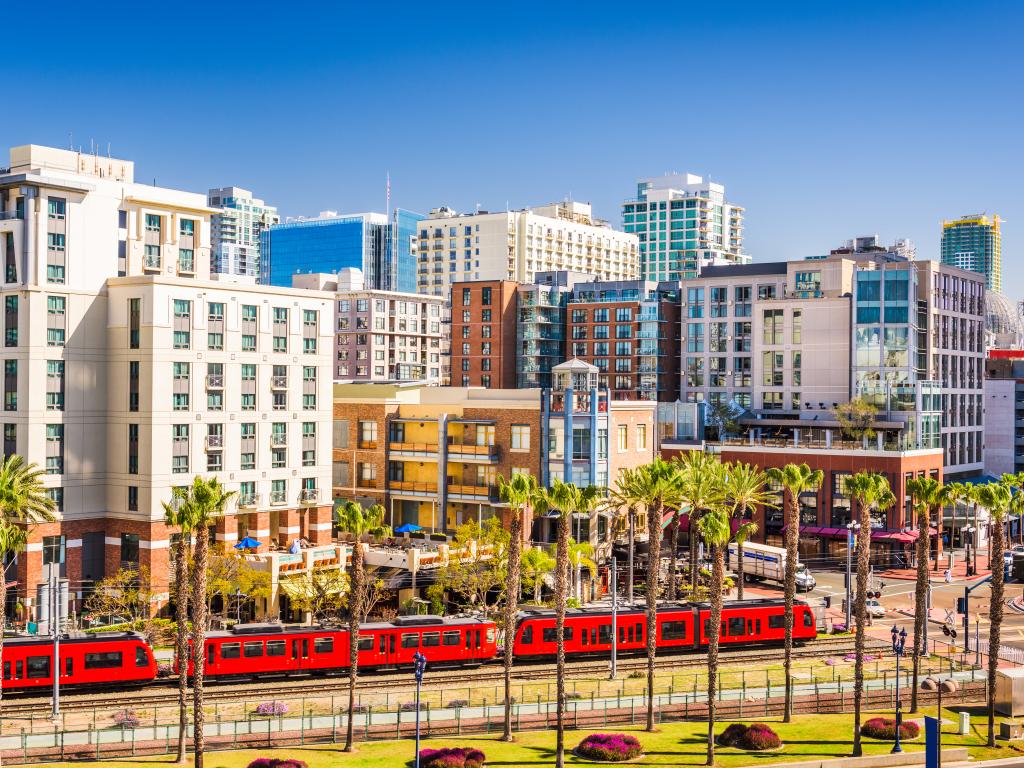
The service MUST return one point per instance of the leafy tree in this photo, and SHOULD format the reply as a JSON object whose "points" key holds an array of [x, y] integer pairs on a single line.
{"points": [[700, 484], [474, 577], [581, 556], [856, 418], [724, 417], [536, 564], [619, 499], [227, 571], [320, 592], [125, 597]]}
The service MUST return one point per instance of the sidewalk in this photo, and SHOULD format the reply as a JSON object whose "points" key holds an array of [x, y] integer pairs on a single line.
{"points": [[959, 570]]}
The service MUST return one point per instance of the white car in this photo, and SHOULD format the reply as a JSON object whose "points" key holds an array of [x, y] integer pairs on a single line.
{"points": [[875, 609]]}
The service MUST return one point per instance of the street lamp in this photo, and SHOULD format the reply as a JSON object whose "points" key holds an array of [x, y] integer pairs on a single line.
{"points": [[968, 546], [948, 685], [851, 531], [421, 664], [238, 605], [899, 642]]}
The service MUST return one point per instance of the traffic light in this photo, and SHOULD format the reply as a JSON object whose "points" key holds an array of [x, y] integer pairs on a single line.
{"points": [[828, 601], [961, 605]]}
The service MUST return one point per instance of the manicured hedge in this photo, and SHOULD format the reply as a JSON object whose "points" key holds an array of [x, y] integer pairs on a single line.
{"points": [[755, 737], [452, 757], [610, 747], [885, 728]]}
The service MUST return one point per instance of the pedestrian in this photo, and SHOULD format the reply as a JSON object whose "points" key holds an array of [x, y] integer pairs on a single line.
{"points": [[948, 576]]}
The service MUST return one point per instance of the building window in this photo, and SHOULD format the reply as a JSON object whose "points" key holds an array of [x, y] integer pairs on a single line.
{"points": [[641, 437], [466, 297], [55, 320], [367, 475], [520, 437], [249, 317], [278, 491], [280, 329], [623, 437], [11, 321], [10, 385], [180, 448], [129, 550], [368, 434], [773, 330], [485, 296], [133, 449], [180, 383], [134, 322], [186, 260], [182, 323], [53, 546], [54, 385], [10, 440], [133, 385], [133, 498], [54, 449]]}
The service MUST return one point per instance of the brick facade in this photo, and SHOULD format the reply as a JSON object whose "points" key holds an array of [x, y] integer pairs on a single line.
{"points": [[474, 363]]}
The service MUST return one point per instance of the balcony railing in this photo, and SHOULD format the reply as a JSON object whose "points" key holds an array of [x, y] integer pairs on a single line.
{"points": [[417, 448], [367, 445], [151, 262], [279, 382], [411, 487], [309, 496], [476, 491], [215, 381], [477, 451], [278, 440], [366, 482], [278, 497], [214, 442], [9, 215], [249, 500]]}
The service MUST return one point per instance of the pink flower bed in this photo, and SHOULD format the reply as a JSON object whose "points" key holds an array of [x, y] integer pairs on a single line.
{"points": [[610, 747], [452, 757]]}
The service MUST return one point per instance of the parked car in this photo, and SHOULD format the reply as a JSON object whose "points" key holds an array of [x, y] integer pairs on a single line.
{"points": [[875, 609]]}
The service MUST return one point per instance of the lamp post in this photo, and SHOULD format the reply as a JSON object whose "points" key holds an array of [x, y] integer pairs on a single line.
{"points": [[238, 605], [948, 685], [968, 546], [899, 642], [615, 620], [421, 664], [851, 531]]}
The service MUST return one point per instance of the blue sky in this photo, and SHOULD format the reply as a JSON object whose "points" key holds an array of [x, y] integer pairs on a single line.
{"points": [[825, 120]]}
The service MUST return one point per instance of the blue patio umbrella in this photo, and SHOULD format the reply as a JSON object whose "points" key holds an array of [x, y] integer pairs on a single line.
{"points": [[247, 543], [408, 528]]}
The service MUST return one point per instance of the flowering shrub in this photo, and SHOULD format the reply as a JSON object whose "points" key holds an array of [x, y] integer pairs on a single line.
{"points": [[459, 703], [610, 747], [410, 706], [126, 718], [732, 734], [885, 728], [360, 709], [452, 757], [759, 736], [272, 709], [273, 762]]}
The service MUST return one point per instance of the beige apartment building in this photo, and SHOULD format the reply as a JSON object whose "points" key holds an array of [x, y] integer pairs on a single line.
{"points": [[129, 369]]}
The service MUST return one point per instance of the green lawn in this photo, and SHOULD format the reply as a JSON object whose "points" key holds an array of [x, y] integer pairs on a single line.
{"points": [[680, 744]]}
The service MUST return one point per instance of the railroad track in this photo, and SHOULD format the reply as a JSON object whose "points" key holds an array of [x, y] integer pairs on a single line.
{"points": [[167, 695]]}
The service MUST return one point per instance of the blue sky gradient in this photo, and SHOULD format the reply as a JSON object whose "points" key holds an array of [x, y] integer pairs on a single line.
{"points": [[825, 120]]}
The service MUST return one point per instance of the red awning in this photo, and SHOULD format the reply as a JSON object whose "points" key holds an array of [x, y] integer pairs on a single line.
{"points": [[819, 530], [897, 537]]}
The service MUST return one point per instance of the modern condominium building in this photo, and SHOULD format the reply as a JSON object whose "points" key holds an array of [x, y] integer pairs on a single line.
{"points": [[384, 335], [684, 224], [975, 243], [129, 369], [484, 334], [235, 232], [516, 245]]}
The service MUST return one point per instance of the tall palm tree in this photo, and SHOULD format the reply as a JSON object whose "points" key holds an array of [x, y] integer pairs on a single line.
{"points": [[201, 503], [536, 564], [518, 492], [581, 555], [619, 498], [796, 479], [700, 489], [715, 529], [871, 490], [358, 521], [23, 502], [997, 498], [927, 493], [744, 488], [176, 515]]}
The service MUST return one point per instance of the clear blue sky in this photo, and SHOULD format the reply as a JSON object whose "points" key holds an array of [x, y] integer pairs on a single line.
{"points": [[826, 119]]}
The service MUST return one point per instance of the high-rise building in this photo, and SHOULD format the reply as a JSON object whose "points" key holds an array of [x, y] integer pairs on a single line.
{"points": [[129, 369], [516, 245], [235, 232], [385, 253], [974, 243], [684, 224]]}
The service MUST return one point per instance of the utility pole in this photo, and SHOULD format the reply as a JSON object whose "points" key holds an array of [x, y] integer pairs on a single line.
{"points": [[615, 620]]}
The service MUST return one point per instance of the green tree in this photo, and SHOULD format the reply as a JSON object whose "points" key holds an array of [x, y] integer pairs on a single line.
{"points": [[715, 530], [182, 555], [199, 505], [320, 592], [228, 572], [619, 499], [536, 564], [927, 494], [856, 419], [581, 557], [796, 479], [481, 569], [743, 488], [519, 492], [871, 490], [700, 489], [358, 521], [998, 498]]}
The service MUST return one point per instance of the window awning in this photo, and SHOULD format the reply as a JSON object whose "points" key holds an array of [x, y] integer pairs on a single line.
{"points": [[472, 421]]}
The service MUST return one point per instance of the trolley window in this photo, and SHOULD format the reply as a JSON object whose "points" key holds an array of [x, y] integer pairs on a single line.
{"points": [[584, 639], [431, 639], [7, 670], [604, 633], [365, 644], [69, 666], [253, 649], [323, 645], [551, 634], [410, 640], [231, 650], [37, 666], [639, 633], [808, 619], [777, 622], [141, 657], [490, 634], [104, 660], [210, 651], [527, 636], [736, 626], [673, 630], [276, 647], [451, 638]]}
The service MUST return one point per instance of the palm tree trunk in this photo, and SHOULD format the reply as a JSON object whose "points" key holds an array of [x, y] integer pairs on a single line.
{"points": [[632, 524], [654, 514], [354, 611], [561, 588], [863, 558], [673, 539], [694, 561], [995, 613], [717, 577], [515, 546], [792, 537], [198, 642], [739, 568], [920, 601], [181, 642]]}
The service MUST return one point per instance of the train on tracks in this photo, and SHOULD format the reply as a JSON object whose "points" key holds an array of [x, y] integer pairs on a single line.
{"points": [[260, 651]]}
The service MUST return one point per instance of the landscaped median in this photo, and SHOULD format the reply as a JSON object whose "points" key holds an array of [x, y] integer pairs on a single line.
{"points": [[808, 737]]}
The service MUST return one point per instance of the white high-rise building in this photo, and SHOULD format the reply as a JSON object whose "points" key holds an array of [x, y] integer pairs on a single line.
{"points": [[235, 230], [684, 224], [516, 245], [129, 369]]}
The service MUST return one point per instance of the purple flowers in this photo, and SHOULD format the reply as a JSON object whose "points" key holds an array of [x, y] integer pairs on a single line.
{"points": [[754, 737], [126, 718], [610, 747], [885, 728], [272, 709], [452, 757], [273, 762]]}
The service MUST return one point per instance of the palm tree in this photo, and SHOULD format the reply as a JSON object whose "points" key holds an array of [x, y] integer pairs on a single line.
{"points": [[23, 502], [518, 492], [700, 489], [619, 498], [744, 488], [997, 498], [715, 529], [871, 490], [927, 494], [536, 564], [581, 555], [796, 479], [200, 504], [357, 521], [175, 517]]}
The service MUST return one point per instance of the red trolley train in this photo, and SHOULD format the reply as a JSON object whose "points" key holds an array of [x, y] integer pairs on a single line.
{"points": [[105, 658]]}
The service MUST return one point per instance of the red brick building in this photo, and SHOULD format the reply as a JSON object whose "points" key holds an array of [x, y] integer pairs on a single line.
{"points": [[484, 334]]}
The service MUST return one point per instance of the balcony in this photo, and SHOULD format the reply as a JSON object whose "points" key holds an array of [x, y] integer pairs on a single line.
{"points": [[309, 496], [215, 442], [413, 489], [428, 450], [151, 262], [466, 452], [279, 382], [215, 381], [284, 564], [249, 500], [478, 493], [278, 498], [278, 440], [366, 482], [367, 445]]}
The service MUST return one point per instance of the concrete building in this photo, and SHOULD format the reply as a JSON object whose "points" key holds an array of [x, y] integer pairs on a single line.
{"points": [[484, 334], [235, 232], [684, 224], [975, 243], [129, 369], [516, 245], [1004, 412], [384, 335]]}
